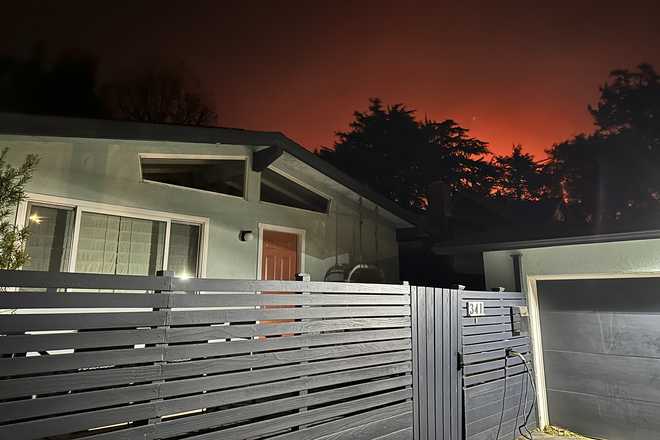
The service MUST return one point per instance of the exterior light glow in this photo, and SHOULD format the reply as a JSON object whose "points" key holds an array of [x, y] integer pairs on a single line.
{"points": [[34, 218]]}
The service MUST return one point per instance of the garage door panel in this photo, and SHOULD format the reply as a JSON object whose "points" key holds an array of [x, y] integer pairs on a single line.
{"points": [[634, 295], [601, 351], [613, 419], [622, 334], [626, 378]]}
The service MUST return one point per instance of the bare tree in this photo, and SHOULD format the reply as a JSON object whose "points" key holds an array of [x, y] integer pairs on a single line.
{"points": [[163, 94]]}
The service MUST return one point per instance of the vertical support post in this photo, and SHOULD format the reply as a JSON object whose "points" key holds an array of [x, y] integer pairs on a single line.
{"points": [[456, 342], [447, 363], [430, 361], [163, 329], [518, 273], [306, 278], [415, 362], [422, 371]]}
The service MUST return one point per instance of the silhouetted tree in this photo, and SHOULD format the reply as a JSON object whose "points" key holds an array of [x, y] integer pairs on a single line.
{"points": [[163, 94], [610, 178], [390, 150], [519, 176], [64, 86], [630, 100]]}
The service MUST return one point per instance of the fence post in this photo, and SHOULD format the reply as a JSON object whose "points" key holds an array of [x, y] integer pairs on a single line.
{"points": [[163, 329], [415, 354], [306, 278]]}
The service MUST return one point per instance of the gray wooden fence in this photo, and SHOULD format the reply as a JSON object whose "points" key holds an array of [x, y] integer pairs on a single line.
{"points": [[331, 363], [285, 360]]}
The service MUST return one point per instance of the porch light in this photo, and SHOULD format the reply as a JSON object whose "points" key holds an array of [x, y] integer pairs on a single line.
{"points": [[34, 218], [246, 235]]}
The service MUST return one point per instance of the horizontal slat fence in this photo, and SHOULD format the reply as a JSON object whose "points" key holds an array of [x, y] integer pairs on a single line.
{"points": [[246, 360], [484, 343]]}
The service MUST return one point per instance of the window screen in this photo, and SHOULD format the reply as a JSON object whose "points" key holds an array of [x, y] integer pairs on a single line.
{"points": [[220, 176], [184, 249], [120, 245], [49, 244], [275, 188]]}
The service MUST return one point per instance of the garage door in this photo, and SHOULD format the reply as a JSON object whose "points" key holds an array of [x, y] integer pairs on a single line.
{"points": [[601, 348]]}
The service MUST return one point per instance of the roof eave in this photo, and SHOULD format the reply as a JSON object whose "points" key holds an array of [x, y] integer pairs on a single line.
{"points": [[457, 248]]}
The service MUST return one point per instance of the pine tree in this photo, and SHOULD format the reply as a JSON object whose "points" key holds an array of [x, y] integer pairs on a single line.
{"points": [[12, 191]]}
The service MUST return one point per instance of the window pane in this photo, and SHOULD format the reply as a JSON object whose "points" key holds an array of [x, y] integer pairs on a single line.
{"points": [[120, 245], [220, 176], [184, 249], [49, 244], [276, 188]]}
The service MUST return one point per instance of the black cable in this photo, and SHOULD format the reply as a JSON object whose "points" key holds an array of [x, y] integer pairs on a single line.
{"points": [[524, 405], [523, 385], [529, 413], [506, 364]]}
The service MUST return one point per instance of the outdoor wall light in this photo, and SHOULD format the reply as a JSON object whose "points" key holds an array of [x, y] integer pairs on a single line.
{"points": [[246, 236]]}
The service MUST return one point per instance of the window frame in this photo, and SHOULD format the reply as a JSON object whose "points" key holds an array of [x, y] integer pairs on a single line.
{"points": [[81, 206], [304, 185], [242, 157]]}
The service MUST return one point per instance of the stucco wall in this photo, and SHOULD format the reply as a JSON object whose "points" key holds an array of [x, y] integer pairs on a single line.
{"points": [[600, 258], [108, 171]]}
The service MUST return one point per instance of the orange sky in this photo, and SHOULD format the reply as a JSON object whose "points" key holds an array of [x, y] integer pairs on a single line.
{"points": [[512, 72]]}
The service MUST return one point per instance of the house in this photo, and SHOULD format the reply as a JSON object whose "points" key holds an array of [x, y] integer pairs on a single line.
{"points": [[594, 302], [133, 198]]}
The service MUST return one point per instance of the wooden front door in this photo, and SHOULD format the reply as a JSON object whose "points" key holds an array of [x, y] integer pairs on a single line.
{"points": [[280, 259]]}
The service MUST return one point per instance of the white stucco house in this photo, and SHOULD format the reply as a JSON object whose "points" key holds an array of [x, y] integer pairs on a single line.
{"points": [[134, 198]]}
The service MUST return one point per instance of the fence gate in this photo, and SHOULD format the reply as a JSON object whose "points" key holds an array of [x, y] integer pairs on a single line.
{"points": [[437, 394], [459, 365], [486, 389]]}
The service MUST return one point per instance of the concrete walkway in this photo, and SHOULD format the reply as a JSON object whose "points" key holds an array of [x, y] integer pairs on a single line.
{"points": [[542, 436]]}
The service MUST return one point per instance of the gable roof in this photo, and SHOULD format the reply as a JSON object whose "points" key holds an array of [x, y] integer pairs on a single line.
{"points": [[58, 126]]}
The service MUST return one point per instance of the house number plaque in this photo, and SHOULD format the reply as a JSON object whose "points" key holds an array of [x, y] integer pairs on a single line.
{"points": [[475, 308]]}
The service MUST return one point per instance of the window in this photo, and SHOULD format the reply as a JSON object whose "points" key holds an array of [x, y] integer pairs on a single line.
{"points": [[120, 245], [223, 176], [51, 231], [276, 188], [110, 243], [184, 249]]}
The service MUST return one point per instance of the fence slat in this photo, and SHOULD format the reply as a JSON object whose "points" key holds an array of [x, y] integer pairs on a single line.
{"points": [[373, 363], [205, 333], [331, 428], [79, 321], [92, 339], [238, 315], [188, 351], [28, 386], [323, 299]]}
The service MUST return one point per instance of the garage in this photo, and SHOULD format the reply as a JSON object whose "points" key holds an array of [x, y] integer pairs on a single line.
{"points": [[601, 355], [594, 323]]}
